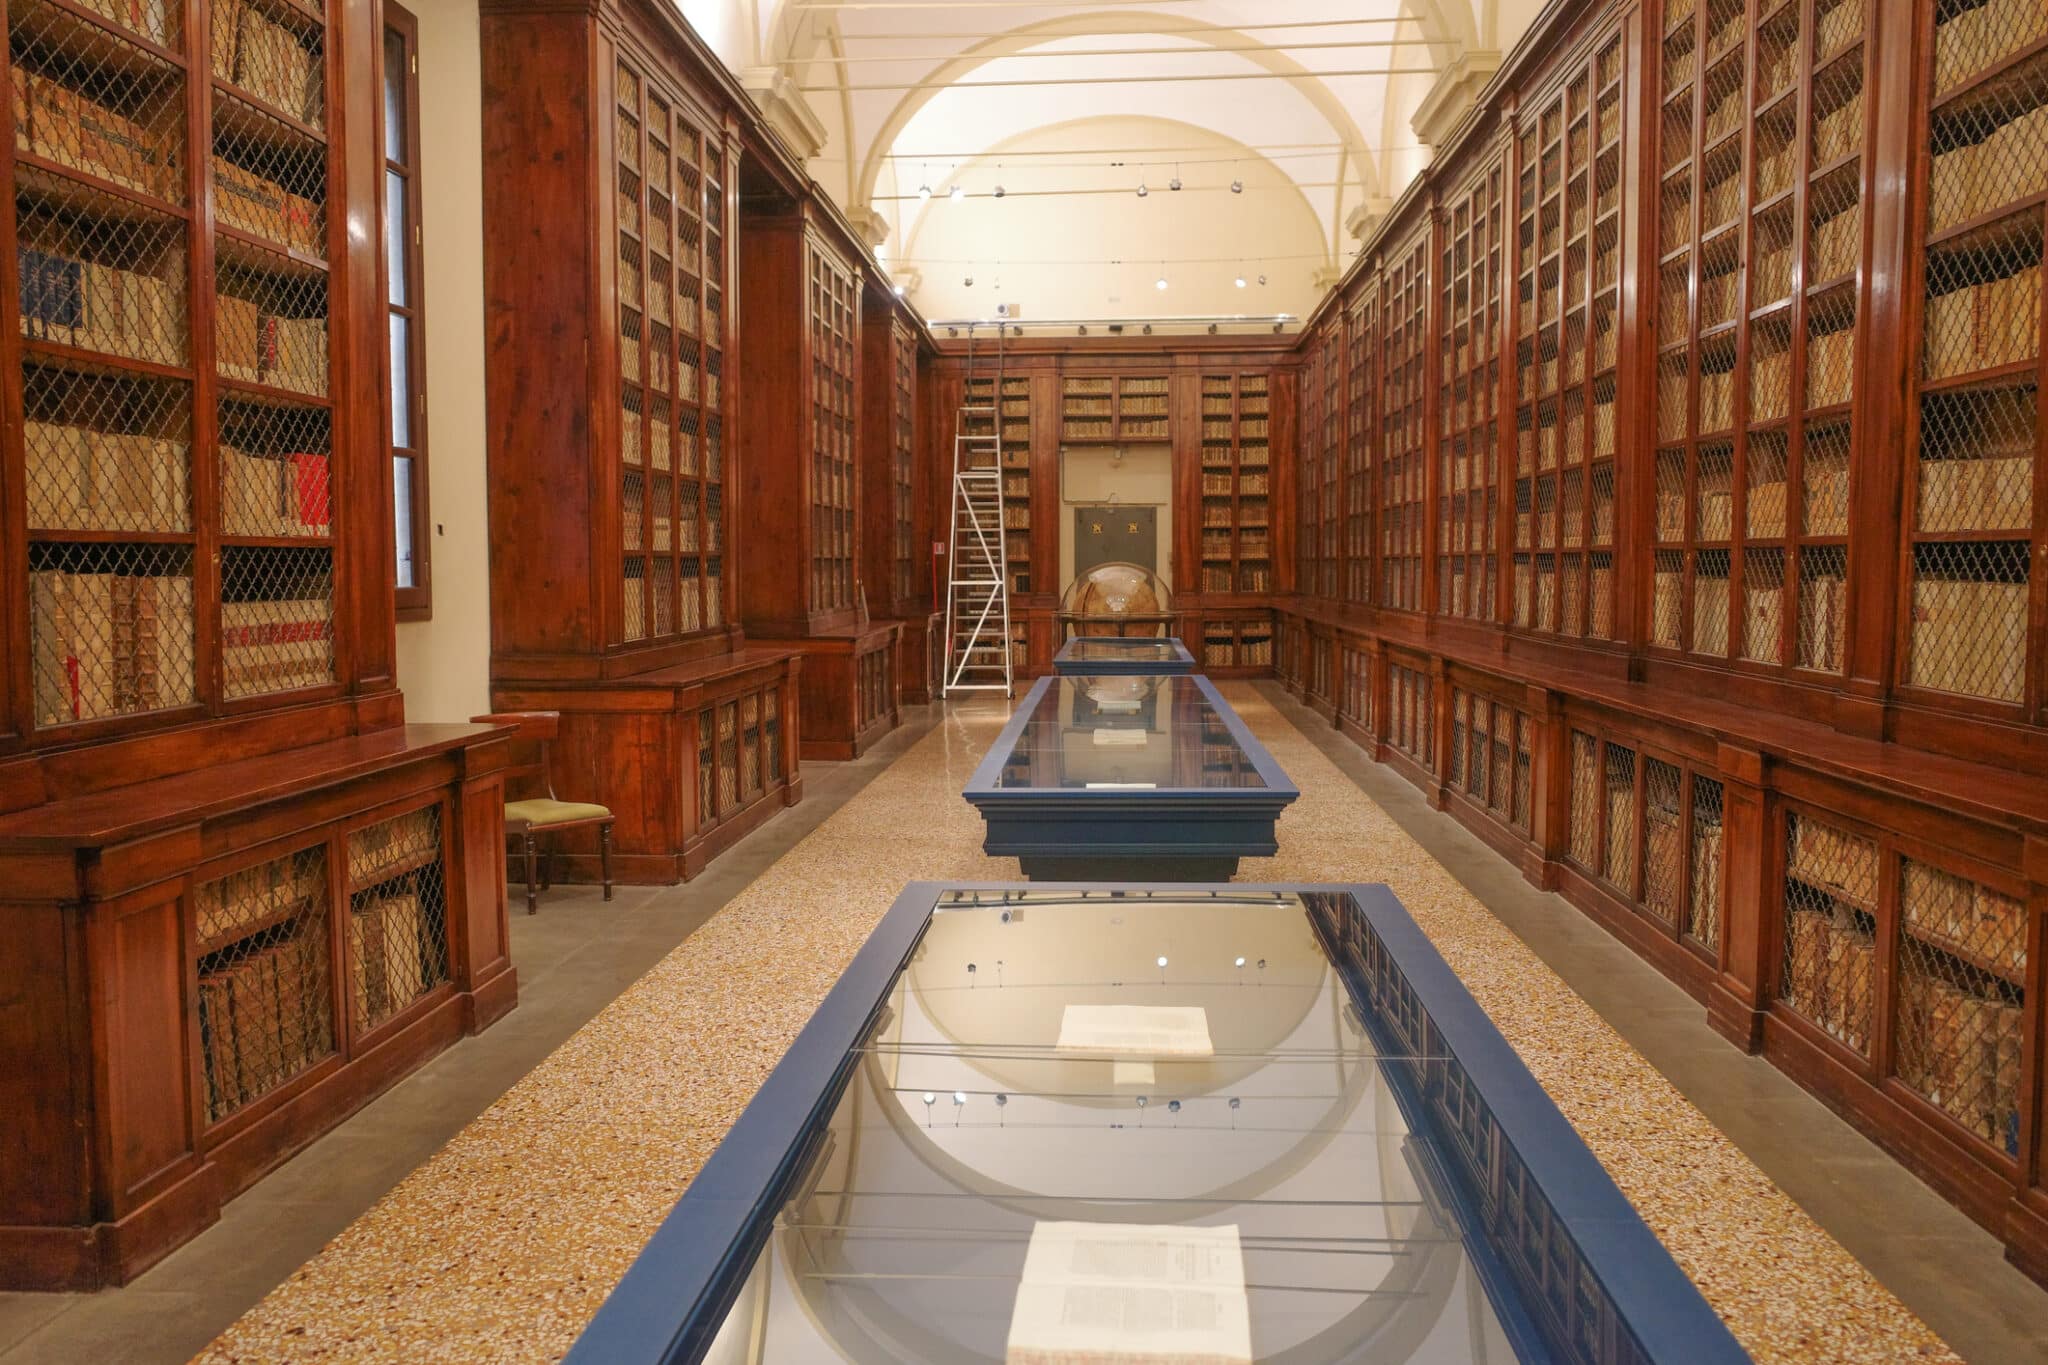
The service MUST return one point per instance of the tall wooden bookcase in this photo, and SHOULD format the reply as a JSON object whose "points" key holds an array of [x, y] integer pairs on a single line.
{"points": [[803, 461], [274, 896], [1763, 685], [614, 534], [896, 528]]}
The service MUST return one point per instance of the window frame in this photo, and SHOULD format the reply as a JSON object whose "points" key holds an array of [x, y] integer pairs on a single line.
{"points": [[415, 603]]}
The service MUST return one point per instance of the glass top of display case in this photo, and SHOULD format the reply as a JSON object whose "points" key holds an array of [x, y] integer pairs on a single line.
{"points": [[1126, 733], [1123, 653], [1141, 1124]]}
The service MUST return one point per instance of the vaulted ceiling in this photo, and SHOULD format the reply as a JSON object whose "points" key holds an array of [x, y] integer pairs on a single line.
{"points": [[1284, 124]]}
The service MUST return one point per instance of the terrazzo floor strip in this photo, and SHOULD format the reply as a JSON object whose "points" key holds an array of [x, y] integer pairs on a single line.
{"points": [[501, 1246]]}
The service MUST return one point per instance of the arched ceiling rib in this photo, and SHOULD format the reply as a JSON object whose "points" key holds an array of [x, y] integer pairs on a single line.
{"points": [[1328, 87]]}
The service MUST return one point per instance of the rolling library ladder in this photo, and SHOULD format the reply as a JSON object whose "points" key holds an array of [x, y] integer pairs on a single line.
{"points": [[977, 567]]}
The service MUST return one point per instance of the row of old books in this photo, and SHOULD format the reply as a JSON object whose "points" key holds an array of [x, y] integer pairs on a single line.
{"points": [[1989, 493], [255, 898], [268, 60], [262, 347], [264, 1016], [150, 18], [276, 644], [394, 953], [1965, 916], [1837, 132], [1829, 964], [55, 121], [80, 479], [1976, 178], [263, 208], [390, 847], [76, 302], [274, 495], [1984, 325], [1969, 40], [1969, 636], [1960, 1047], [110, 644]]}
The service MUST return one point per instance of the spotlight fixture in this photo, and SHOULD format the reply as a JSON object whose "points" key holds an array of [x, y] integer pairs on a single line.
{"points": [[1148, 329], [999, 191], [956, 193], [1240, 281], [970, 282], [1015, 332], [1162, 961], [897, 289], [1142, 191], [924, 185], [1159, 283], [1212, 329], [1082, 330], [1262, 279], [1174, 184], [952, 331], [1240, 962], [1237, 187]]}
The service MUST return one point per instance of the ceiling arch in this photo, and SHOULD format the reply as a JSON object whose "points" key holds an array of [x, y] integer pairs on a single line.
{"points": [[1320, 91]]}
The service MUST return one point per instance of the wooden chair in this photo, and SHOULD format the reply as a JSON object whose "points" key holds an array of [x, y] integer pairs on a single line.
{"points": [[533, 809]]}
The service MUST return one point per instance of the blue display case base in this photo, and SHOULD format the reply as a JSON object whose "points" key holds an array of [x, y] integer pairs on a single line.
{"points": [[1169, 867]]}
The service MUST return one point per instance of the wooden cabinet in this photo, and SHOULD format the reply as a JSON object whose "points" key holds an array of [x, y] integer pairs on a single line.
{"points": [[614, 478], [611, 401], [1115, 409], [698, 754], [804, 466], [1691, 556], [802, 376], [256, 948], [896, 492], [1236, 544], [242, 896]]}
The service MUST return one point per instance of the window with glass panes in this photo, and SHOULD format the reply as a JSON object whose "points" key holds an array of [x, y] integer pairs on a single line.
{"points": [[404, 312]]}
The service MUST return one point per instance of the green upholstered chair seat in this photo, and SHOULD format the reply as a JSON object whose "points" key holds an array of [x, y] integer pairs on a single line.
{"points": [[541, 812]]}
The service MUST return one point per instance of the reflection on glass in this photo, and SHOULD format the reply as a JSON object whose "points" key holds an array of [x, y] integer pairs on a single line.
{"points": [[1127, 732], [1215, 1169], [1113, 649], [394, 235], [401, 501], [394, 97], [401, 382]]}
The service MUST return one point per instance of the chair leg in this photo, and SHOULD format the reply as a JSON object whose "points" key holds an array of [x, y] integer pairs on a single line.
{"points": [[604, 855], [532, 876]]}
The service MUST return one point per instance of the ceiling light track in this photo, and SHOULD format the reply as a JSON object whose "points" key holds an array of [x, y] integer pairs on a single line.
{"points": [[904, 86], [1195, 49]]}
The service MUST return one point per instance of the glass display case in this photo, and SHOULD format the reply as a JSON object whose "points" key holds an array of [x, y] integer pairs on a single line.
{"points": [[1087, 655], [1139, 1124], [1132, 776]]}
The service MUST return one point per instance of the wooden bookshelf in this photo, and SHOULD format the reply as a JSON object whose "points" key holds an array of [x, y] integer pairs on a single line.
{"points": [[1568, 273], [1236, 483], [1012, 410], [614, 475], [196, 622], [1361, 350], [1114, 409], [1973, 528], [896, 527], [1754, 389], [1471, 311], [1404, 440], [802, 463], [1769, 636]]}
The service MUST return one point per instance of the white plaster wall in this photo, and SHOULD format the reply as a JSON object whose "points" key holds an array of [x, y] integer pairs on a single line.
{"points": [[444, 663]]}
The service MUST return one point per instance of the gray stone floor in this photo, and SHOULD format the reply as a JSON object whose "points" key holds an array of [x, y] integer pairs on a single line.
{"points": [[1943, 1266], [574, 958]]}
